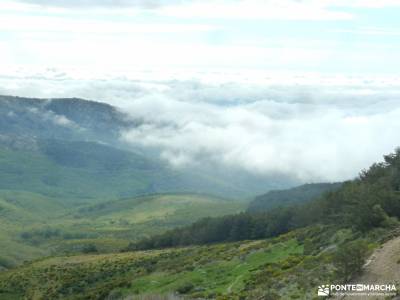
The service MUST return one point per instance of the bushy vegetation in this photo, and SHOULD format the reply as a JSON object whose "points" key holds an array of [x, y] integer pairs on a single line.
{"points": [[198, 271], [290, 266], [350, 258]]}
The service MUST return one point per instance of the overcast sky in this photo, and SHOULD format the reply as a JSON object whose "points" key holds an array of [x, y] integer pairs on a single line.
{"points": [[310, 88], [303, 35]]}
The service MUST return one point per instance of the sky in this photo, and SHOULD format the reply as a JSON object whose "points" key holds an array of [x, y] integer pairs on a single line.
{"points": [[308, 88], [356, 36]]}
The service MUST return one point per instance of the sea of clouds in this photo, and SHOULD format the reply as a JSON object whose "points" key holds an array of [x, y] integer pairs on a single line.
{"points": [[309, 126]]}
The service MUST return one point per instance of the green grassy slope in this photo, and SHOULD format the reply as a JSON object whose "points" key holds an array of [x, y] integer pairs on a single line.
{"points": [[162, 211], [33, 225], [114, 224], [20, 211]]}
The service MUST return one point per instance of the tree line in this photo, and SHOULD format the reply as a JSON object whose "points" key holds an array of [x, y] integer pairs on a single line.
{"points": [[369, 201]]}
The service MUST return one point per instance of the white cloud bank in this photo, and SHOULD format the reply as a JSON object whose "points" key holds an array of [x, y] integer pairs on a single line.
{"points": [[297, 132], [314, 128]]}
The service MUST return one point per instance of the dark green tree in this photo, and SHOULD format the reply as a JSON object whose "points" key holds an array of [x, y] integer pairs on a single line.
{"points": [[349, 259]]}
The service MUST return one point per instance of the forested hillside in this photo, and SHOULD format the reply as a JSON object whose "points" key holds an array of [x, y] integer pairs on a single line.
{"points": [[370, 201], [296, 195]]}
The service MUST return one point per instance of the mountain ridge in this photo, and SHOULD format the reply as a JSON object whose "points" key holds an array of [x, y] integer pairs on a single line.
{"points": [[27, 123]]}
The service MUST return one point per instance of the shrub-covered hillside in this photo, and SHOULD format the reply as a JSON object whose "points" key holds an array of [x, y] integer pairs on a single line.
{"points": [[288, 267]]}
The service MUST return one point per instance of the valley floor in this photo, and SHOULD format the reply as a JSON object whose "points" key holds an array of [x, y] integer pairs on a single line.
{"points": [[34, 226]]}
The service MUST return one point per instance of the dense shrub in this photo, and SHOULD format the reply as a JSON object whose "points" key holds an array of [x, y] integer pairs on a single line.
{"points": [[350, 258]]}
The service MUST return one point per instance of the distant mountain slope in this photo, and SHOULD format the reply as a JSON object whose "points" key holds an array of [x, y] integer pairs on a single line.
{"points": [[63, 119], [81, 171], [79, 142], [78, 171], [281, 198]]}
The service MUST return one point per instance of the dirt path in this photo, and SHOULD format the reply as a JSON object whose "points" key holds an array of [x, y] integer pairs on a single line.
{"points": [[383, 267], [229, 289]]}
